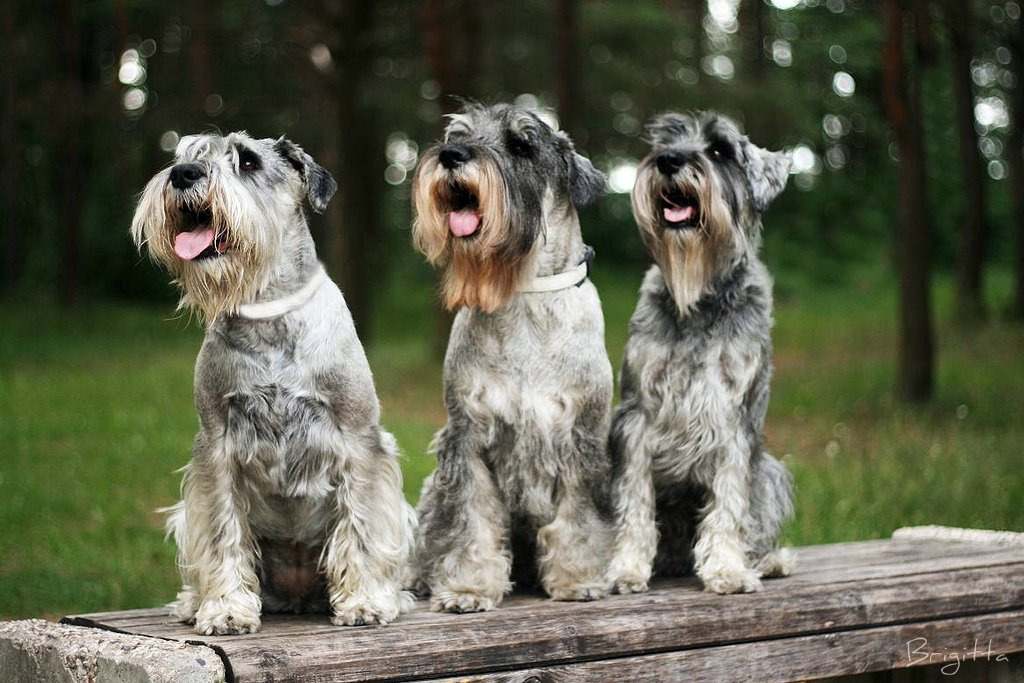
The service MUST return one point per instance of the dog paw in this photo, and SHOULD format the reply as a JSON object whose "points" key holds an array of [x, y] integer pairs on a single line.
{"points": [[777, 564], [226, 624], [461, 603], [185, 606], [366, 611], [578, 593], [625, 586], [228, 616], [629, 581], [726, 580]]}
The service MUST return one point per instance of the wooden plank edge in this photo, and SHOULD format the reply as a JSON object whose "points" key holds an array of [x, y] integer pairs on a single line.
{"points": [[555, 642], [947, 642], [229, 673], [1010, 539]]}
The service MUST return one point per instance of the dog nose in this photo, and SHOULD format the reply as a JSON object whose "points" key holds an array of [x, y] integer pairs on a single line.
{"points": [[184, 176], [670, 161], [454, 155]]}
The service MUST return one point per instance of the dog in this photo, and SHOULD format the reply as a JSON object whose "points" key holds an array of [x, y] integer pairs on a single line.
{"points": [[694, 489], [521, 485], [293, 498]]}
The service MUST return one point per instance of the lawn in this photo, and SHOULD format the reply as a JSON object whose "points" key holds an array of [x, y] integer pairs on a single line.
{"points": [[95, 409]]}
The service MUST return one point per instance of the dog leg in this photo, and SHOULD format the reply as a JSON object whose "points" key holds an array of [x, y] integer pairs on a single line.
{"points": [[636, 539], [720, 554], [771, 504], [572, 551], [366, 556], [218, 548], [463, 547]]}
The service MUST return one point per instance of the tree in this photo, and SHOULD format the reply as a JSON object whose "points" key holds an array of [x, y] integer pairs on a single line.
{"points": [[903, 105], [71, 174], [969, 296], [567, 63], [1015, 162], [11, 160]]}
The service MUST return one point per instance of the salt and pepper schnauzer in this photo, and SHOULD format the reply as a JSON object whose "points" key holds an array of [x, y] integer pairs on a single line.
{"points": [[687, 438], [522, 465], [293, 498]]}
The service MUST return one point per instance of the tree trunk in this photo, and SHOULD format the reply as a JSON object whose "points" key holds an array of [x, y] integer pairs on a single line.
{"points": [[902, 92], [454, 77], [10, 166], [567, 64], [752, 20], [71, 161], [1015, 160], [970, 301], [698, 13], [200, 57], [354, 250]]}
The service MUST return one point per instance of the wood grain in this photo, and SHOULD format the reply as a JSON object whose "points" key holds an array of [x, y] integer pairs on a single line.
{"points": [[843, 595]]}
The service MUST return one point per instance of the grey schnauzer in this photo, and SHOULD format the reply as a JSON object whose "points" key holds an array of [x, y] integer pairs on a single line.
{"points": [[694, 489], [521, 486], [293, 499]]}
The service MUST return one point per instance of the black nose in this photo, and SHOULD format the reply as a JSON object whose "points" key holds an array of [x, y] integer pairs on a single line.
{"points": [[451, 156], [670, 161], [184, 176]]}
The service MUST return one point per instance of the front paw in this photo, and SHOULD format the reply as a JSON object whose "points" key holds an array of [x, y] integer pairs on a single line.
{"points": [[629, 584], [726, 579], [369, 610], [581, 593], [228, 616], [462, 602]]}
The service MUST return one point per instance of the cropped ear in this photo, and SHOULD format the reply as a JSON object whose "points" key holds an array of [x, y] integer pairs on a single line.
{"points": [[767, 173], [320, 186], [586, 183]]}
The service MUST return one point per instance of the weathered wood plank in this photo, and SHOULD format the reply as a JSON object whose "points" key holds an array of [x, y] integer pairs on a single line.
{"points": [[953, 644], [837, 588]]}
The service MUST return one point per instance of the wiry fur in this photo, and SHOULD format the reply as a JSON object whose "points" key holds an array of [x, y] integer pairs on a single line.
{"points": [[293, 499], [520, 491], [694, 489]]}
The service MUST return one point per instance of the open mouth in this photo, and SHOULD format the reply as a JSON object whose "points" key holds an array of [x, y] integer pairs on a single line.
{"points": [[679, 210], [463, 209], [197, 240]]}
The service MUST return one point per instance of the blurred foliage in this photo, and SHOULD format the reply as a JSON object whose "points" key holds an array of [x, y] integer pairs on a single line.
{"points": [[270, 67]]}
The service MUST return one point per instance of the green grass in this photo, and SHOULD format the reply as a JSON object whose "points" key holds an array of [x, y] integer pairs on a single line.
{"points": [[96, 416]]}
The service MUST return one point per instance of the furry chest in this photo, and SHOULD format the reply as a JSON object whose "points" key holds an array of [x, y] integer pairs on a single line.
{"points": [[690, 402], [276, 435]]}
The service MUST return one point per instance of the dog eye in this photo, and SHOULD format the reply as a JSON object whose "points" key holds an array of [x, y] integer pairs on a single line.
{"points": [[519, 147], [248, 162], [720, 151]]}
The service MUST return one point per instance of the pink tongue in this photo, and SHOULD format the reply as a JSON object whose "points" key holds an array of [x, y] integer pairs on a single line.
{"points": [[463, 223], [188, 245], [675, 214]]}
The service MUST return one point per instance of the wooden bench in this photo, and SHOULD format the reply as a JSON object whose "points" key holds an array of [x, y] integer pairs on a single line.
{"points": [[927, 598]]}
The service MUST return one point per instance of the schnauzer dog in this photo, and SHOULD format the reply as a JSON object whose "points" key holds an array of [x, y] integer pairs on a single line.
{"points": [[293, 498], [687, 438], [522, 463]]}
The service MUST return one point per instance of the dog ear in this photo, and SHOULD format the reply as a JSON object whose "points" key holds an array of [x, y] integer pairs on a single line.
{"points": [[586, 183], [320, 186], [767, 173]]}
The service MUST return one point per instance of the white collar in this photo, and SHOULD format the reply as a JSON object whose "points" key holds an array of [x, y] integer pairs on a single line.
{"points": [[274, 309], [570, 278]]}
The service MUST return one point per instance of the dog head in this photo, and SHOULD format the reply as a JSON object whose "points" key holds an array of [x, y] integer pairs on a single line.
{"points": [[220, 216], [699, 196], [501, 179]]}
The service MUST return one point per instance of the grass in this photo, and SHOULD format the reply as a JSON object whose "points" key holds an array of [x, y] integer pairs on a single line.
{"points": [[96, 416]]}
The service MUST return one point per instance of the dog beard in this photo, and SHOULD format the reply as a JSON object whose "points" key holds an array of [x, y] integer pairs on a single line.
{"points": [[232, 270], [483, 268], [687, 256]]}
